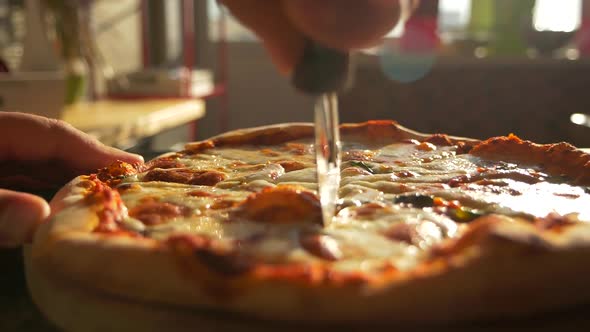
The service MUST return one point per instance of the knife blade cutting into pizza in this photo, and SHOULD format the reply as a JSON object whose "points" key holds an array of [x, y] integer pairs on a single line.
{"points": [[322, 72]]}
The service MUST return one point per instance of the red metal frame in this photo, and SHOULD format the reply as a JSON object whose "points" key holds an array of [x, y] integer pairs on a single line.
{"points": [[189, 52], [145, 53], [223, 72], [188, 39]]}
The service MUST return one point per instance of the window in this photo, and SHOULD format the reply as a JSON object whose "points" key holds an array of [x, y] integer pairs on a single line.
{"points": [[234, 31], [557, 15], [453, 14]]}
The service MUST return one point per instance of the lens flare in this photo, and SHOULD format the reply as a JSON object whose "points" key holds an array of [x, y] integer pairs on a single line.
{"points": [[411, 57], [406, 67]]}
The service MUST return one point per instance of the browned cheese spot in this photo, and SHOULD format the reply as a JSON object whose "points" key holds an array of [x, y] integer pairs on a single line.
{"points": [[363, 155], [553, 221], [116, 170]]}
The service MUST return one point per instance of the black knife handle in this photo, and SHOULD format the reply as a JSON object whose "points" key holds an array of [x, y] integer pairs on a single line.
{"points": [[322, 70]]}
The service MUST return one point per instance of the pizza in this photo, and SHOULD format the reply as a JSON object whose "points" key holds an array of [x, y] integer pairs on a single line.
{"points": [[429, 228]]}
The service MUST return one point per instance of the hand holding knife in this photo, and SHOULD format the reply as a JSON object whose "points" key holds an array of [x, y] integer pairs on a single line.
{"points": [[322, 72]]}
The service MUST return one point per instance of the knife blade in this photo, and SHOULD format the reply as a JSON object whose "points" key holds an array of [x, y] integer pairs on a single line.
{"points": [[327, 151], [322, 72]]}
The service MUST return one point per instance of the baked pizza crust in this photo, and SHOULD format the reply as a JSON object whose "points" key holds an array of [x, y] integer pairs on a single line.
{"points": [[501, 268], [76, 308], [377, 130]]}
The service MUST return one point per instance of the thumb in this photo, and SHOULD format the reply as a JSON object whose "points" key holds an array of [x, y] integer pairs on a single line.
{"points": [[20, 214]]}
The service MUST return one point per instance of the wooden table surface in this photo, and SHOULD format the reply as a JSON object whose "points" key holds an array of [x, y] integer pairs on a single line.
{"points": [[121, 122]]}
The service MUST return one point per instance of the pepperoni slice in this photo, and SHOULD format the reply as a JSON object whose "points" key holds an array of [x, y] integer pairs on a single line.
{"points": [[165, 163], [269, 152], [439, 139], [154, 212], [281, 204], [200, 193], [196, 147], [402, 232], [229, 264], [296, 148], [185, 176], [291, 165], [322, 246], [223, 261], [367, 211]]}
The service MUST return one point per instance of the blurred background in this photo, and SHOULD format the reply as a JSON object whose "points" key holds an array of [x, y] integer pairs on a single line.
{"points": [[153, 73]]}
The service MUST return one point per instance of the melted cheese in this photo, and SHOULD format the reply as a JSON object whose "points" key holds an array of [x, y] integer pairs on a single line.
{"points": [[360, 236], [514, 197]]}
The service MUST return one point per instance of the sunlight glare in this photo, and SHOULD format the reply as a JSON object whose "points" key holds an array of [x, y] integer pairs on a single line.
{"points": [[557, 15]]}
